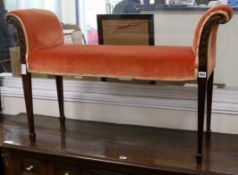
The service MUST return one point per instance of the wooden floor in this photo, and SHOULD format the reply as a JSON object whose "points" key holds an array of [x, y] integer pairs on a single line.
{"points": [[155, 148]]}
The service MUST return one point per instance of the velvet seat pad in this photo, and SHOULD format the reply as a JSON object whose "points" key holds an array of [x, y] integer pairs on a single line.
{"points": [[139, 62]]}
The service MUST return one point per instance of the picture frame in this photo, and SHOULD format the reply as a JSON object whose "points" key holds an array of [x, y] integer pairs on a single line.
{"points": [[126, 29]]}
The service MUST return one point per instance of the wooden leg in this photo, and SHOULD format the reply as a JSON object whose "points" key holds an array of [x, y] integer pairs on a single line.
{"points": [[209, 102], [103, 79], [0, 103], [27, 87], [60, 93], [152, 82], [201, 110]]}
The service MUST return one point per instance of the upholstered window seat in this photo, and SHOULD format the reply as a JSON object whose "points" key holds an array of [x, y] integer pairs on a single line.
{"points": [[43, 51]]}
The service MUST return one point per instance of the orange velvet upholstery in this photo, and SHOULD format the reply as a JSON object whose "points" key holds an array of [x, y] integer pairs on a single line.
{"points": [[42, 28], [46, 52], [141, 62]]}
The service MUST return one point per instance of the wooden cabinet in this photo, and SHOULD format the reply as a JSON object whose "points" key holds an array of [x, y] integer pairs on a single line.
{"points": [[15, 164], [66, 170], [102, 172], [18, 162], [82, 148], [25, 163], [92, 148], [30, 166]]}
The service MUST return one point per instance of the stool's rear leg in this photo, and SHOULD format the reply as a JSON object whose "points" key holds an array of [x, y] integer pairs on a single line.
{"points": [[27, 87], [209, 102], [60, 93]]}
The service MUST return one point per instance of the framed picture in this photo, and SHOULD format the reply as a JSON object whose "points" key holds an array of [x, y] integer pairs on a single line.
{"points": [[126, 29]]}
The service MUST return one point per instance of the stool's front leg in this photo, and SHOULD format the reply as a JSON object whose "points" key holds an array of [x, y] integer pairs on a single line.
{"points": [[27, 87], [202, 84]]}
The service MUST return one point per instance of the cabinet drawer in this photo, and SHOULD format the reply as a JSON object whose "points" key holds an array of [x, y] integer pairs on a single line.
{"points": [[67, 171], [35, 167], [102, 172]]}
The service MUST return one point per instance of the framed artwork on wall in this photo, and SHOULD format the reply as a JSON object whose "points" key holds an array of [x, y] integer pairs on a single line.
{"points": [[126, 29]]}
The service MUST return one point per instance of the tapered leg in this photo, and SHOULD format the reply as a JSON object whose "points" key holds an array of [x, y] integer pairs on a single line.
{"points": [[209, 102], [60, 93], [201, 110], [152, 82], [103, 79], [27, 87]]}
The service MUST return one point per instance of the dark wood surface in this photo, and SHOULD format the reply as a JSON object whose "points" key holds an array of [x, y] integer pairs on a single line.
{"points": [[145, 147]]}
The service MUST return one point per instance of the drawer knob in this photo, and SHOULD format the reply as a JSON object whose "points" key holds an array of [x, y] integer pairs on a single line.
{"points": [[30, 168]]}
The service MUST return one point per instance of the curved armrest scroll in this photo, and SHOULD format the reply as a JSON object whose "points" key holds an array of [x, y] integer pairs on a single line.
{"points": [[20, 36], [204, 45]]}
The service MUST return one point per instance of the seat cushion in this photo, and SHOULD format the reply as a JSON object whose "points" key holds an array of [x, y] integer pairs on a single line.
{"points": [[139, 62]]}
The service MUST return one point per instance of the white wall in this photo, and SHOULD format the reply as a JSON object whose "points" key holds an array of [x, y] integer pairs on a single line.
{"points": [[68, 11], [176, 119]]}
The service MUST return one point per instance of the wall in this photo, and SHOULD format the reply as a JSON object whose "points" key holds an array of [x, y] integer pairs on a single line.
{"points": [[68, 11], [159, 105], [176, 119]]}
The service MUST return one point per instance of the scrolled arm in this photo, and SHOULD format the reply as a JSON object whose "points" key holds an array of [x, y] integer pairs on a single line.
{"points": [[20, 36], [204, 45]]}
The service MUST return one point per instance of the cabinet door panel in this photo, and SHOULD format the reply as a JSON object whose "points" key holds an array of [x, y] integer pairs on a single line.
{"points": [[67, 171], [102, 172], [10, 163], [32, 167]]}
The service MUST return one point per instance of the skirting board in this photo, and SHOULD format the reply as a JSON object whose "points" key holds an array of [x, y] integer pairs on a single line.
{"points": [[157, 105], [159, 96]]}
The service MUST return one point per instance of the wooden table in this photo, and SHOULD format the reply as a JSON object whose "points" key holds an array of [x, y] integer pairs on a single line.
{"points": [[85, 148]]}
